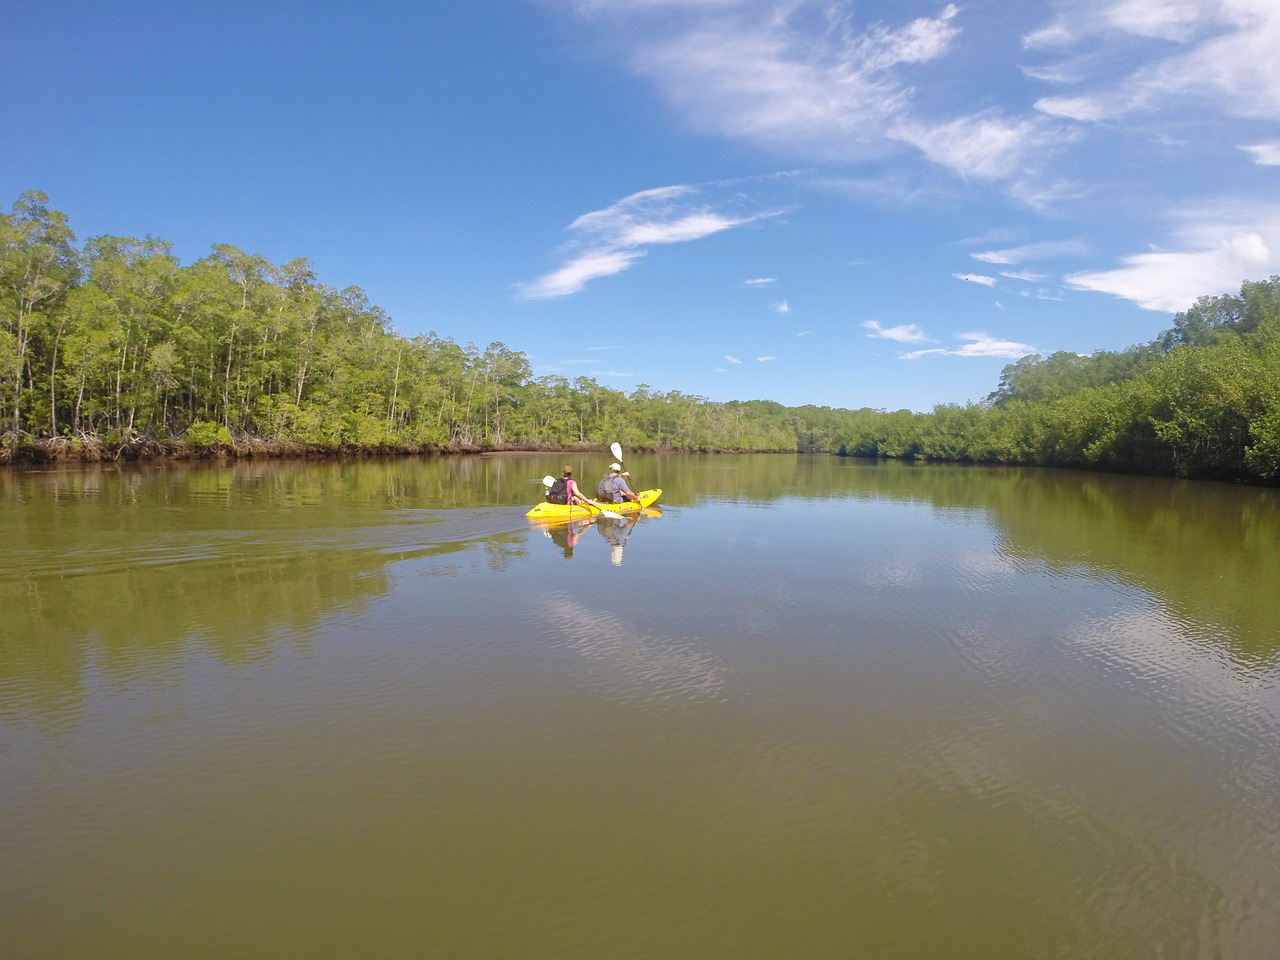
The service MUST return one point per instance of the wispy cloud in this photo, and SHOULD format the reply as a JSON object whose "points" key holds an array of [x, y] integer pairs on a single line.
{"points": [[608, 241], [978, 345], [765, 359], [1214, 52], [782, 307], [760, 281], [578, 272], [1044, 250], [986, 146], [1214, 256], [1264, 154], [976, 278], [807, 79], [1043, 293], [731, 358], [811, 81], [903, 333]]}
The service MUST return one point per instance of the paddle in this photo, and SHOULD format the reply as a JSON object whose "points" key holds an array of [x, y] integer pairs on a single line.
{"points": [[548, 480]]}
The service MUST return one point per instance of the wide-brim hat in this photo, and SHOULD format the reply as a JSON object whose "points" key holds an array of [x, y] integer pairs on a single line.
{"points": [[615, 466]]}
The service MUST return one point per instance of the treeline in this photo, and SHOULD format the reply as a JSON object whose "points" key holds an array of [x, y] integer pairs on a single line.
{"points": [[113, 343], [1202, 400]]}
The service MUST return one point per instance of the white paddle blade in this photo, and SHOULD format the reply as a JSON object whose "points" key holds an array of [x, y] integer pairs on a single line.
{"points": [[616, 449], [548, 480]]}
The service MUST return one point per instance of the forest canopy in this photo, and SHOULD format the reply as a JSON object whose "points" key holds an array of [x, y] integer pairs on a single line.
{"points": [[113, 341]]}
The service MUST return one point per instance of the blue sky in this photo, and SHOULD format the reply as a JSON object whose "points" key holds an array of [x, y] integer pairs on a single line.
{"points": [[841, 203]]}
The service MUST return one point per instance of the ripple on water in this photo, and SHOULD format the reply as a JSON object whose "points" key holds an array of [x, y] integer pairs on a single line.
{"points": [[626, 661]]}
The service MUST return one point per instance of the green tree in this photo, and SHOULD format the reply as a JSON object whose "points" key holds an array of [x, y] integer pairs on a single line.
{"points": [[38, 265]]}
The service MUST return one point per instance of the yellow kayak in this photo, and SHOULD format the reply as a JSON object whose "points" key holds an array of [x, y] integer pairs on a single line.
{"points": [[562, 511]]}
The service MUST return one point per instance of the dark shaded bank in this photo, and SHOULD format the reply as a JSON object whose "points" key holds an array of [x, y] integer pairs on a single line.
{"points": [[71, 450]]}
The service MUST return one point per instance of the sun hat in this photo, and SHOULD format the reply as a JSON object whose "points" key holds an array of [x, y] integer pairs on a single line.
{"points": [[615, 466]]}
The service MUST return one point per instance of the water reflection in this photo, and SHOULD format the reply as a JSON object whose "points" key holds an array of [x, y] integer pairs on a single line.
{"points": [[624, 659], [1208, 550], [615, 531], [823, 703], [566, 535], [131, 562]]}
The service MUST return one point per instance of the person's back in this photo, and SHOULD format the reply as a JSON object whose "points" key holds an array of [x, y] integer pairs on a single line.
{"points": [[566, 488], [607, 490], [613, 488]]}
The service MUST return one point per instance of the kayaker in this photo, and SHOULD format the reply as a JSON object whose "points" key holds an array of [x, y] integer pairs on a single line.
{"points": [[573, 492], [613, 488]]}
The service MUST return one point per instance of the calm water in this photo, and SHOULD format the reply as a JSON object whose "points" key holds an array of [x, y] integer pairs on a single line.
{"points": [[816, 708]]}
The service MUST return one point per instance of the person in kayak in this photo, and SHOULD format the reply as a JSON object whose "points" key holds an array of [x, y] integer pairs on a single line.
{"points": [[613, 488], [568, 488]]}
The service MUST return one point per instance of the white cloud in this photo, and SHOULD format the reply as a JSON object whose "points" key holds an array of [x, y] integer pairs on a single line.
{"points": [[760, 281], [982, 345], [984, 146], [904, 333], [1264, 154], [1030, 276], [1174, 20], [1220, 52], [609, 241], [919, 41], [578, 272], [976, 278], [731, 358], [1043, 293], [1032, 251], [1216, 258], [806, 78], [978, 345], [765, 359], [782, 307]]}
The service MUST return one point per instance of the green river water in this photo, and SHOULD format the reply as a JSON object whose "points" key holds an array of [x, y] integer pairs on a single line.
{"points": [[812, 708]]}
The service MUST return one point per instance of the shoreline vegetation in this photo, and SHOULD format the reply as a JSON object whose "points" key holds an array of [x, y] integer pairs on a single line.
{"points": [[113, 351], [51, 451]]}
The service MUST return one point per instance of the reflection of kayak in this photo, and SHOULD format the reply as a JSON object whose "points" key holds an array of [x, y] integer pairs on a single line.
{"points": [[561, 511]]}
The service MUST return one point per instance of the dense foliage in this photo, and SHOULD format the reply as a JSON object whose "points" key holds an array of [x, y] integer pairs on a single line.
{"points": [[1202, 400], [115, 340]]}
